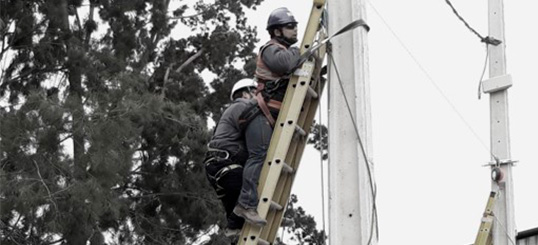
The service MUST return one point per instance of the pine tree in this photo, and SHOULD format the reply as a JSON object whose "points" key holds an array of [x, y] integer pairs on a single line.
{"points": [[303, 228], [104, 117]]}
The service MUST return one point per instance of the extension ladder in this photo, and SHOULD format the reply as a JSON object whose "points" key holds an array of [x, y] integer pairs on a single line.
{"points": [[484, 232], [289, 136]]}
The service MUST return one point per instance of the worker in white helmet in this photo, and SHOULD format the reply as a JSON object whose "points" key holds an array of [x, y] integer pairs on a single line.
{"points": [[227, 153]]}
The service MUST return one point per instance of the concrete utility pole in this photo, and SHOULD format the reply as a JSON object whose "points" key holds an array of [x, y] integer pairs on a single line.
{"points": [[504, 231], [350, 195]]}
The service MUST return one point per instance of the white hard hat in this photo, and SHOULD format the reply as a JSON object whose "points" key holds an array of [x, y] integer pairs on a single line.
{"points": [[243, 83]]}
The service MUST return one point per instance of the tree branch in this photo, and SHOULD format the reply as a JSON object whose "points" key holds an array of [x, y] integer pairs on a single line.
{"points": [[186, 16], [89, 32], [46, 187], [190, 60], [79, 24], [29, 72], [178, 70]]}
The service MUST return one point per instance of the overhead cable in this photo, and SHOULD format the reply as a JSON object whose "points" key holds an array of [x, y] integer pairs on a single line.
{"points": [[434, 83], [487, 40]]}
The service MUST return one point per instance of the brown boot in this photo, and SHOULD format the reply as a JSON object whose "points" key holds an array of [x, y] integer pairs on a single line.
{"points": [[250, 215]]}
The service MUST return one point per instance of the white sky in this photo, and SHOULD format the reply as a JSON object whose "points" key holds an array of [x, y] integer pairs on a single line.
{"points": [[428, 163]]}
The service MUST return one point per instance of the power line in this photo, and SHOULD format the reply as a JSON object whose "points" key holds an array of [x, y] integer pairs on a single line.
{"points": [[432, 81], [487, 40]]}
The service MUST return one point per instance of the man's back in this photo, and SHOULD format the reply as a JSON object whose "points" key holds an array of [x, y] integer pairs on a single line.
{"points": [[228, 136]]}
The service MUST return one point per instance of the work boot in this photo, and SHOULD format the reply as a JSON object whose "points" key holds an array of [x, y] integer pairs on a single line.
{"points": [[232, 234], [250, 215]]}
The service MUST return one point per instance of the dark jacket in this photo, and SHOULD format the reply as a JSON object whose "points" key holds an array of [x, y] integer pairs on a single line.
{"points": [[279, 59], [228, 136]]}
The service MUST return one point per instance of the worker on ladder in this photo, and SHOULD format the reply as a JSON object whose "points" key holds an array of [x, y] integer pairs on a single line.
{"points": [[274, 63], [227, 153]]}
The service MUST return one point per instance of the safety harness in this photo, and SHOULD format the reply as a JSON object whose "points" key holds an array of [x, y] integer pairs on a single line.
{"points": [[217, 156], [264, 75]]}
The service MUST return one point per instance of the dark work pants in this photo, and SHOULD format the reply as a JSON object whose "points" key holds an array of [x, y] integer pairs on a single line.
{"points": [[231, 182], [231, 187], [257, 137]]}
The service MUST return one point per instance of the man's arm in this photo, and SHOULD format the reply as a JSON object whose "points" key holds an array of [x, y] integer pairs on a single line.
{"points": [[280, 60]]}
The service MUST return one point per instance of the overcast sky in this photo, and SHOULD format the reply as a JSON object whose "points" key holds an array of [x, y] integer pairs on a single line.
{"points": [[432, 185]]}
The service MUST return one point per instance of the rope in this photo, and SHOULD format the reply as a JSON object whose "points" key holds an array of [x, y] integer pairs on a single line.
{"points": [[321, 160], [309, 52], [430, 79], [373, 187], [487, 40], [504, 229], [483, 72]]}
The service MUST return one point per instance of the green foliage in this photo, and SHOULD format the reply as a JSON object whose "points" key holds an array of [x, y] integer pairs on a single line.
{"points": [[319, 138], [304, 226], [105, 126], [106, 122]]}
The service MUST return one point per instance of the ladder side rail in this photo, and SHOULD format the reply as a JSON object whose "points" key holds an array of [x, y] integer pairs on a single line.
{"points": [[289, 181], [310, 33], [282, 146], [283, 189], [280, 142], [484, 236], [308, 40]]}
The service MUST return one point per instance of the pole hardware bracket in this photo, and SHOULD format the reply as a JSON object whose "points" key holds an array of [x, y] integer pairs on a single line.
{"points": [[501, 163], [497, 83], [491, 40]]}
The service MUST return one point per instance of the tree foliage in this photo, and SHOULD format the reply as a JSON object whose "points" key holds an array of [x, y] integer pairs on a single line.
{"points": [[303, 228], [105, 114], [319, 138], [104, 117]]}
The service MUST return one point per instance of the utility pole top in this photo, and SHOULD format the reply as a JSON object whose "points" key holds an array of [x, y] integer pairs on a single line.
{"points": [[504, 231]]}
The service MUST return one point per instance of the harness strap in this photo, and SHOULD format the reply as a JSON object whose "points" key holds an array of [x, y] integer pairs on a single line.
{"points": [[265, 109], [224, 170], [261, 86], [274, 104], [219, 189], [217, 152]]}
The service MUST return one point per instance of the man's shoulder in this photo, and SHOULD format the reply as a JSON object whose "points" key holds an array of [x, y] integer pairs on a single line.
{"points": [[242, 102], [275, 43]]}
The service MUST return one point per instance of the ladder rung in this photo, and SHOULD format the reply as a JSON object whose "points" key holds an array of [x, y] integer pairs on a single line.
{"points": [[263, 242], [300, 131], [287, 168], [312, 93], [275, 206]]}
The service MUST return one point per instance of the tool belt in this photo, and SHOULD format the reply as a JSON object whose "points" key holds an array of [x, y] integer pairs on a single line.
{"points": [[218, 163]]}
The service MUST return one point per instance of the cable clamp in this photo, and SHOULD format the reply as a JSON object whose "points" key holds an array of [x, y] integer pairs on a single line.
{"points": [[491, 40]]}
